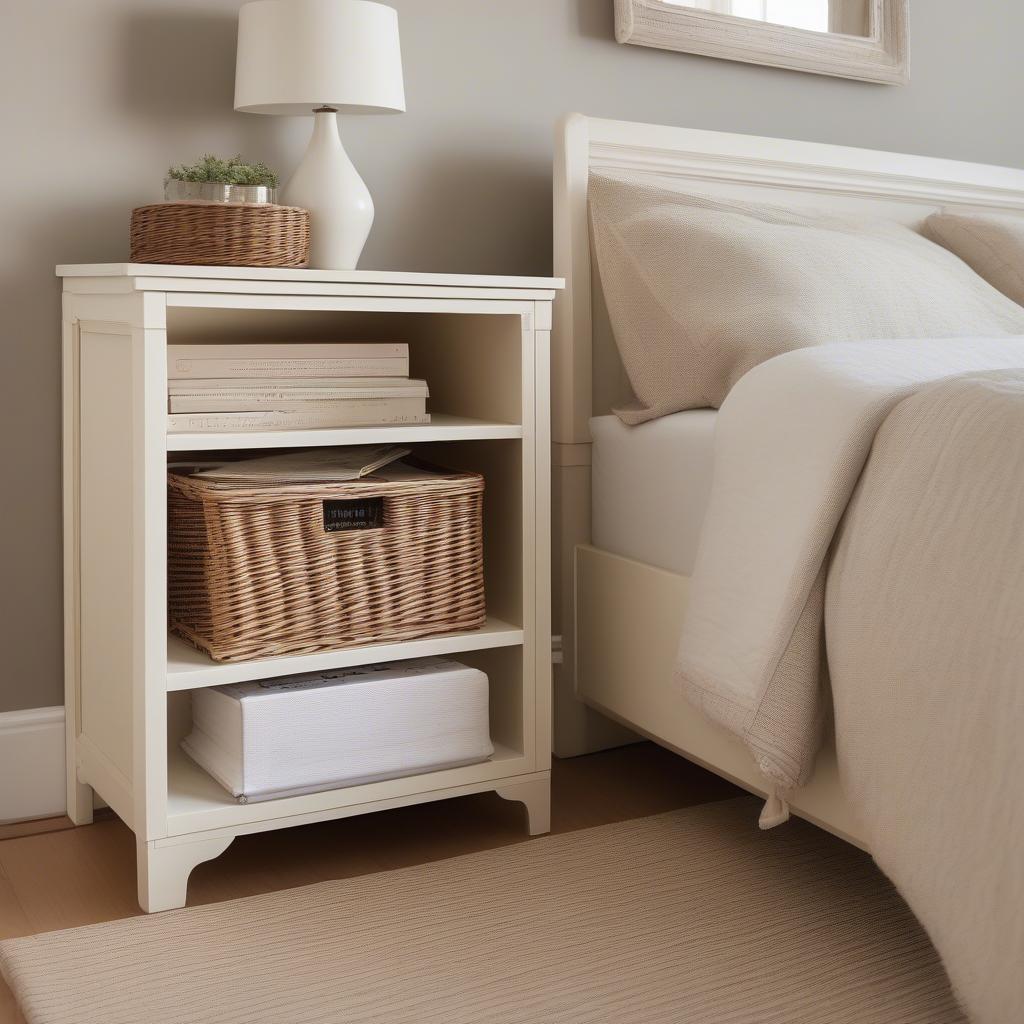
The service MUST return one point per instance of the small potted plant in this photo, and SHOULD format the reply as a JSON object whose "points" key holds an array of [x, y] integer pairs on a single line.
{"points": [[220, 213], [215, 180]]}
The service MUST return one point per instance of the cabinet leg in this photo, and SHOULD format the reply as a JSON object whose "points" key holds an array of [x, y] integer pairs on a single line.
{"points": [[164, 870], [536, 797], [80, 800]]}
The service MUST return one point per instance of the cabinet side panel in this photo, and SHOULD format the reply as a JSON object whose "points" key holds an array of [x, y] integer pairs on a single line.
{"points": [[106, 431], [542, 551]]}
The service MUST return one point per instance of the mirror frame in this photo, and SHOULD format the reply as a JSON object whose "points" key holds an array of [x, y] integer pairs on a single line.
{"points": [[880, 56]]}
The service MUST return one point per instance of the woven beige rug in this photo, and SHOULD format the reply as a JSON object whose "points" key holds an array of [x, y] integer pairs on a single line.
{"points": [[692, 916]]}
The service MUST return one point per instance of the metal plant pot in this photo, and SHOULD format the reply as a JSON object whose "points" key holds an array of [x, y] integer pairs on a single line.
{"points": [[176, 191]]}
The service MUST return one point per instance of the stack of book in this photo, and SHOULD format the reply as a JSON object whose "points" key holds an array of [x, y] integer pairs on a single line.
{"points": [[224, 388]]}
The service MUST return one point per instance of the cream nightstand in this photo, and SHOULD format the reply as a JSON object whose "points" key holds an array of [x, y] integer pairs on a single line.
{"points": [[482, 343]]}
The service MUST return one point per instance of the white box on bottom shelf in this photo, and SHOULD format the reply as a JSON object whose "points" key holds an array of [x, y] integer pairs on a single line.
{"points": [[302, 734]]}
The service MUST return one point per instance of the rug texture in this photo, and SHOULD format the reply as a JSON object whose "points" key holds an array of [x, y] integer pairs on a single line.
{"points": [[692, 916]]}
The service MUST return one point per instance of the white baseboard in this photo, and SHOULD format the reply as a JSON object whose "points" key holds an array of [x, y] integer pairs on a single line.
{"points": [[32, 778]]}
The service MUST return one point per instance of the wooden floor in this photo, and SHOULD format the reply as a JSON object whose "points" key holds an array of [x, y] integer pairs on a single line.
{"points": [[65, 878]]}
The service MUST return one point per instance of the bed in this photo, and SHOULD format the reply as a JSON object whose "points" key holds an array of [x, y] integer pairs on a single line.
{"points": [[650, 487], [624, 551]]}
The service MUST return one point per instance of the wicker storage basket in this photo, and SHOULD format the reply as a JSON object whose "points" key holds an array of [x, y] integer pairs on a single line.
{"points": [[255, 571], [221, 234]]}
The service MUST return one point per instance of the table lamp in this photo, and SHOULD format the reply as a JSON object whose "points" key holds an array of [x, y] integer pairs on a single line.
{"points": [[300, 57]]}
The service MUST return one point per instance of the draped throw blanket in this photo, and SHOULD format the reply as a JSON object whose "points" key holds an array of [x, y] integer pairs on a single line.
{"points": [[791, 441], [925, 628], [868, 499]]}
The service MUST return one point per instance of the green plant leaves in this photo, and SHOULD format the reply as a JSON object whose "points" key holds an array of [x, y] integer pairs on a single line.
{"points": [[233, 171]]}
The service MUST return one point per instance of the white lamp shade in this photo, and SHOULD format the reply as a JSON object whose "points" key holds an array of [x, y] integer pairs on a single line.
{"points": [[295, 55]]}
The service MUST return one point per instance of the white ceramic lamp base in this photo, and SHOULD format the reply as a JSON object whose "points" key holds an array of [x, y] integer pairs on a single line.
{"points": [[340, 207]]}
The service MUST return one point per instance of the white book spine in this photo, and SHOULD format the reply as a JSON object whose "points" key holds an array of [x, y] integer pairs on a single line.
{"points": [[240, 367], [316, 386], [300, 401], [217, 422], [252, 385]]}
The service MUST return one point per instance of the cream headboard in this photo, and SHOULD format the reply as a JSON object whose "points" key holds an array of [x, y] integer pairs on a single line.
{"points": [[587, 377]]}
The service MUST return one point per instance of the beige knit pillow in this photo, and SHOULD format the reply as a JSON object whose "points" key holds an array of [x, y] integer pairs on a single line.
{"points": [[699, 290], [992, 245]]}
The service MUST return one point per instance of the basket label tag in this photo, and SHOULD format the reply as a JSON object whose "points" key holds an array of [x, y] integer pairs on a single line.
{"points": [[353, 514]]}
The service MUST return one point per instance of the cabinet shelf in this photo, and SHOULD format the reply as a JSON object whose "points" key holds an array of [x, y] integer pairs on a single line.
{"points": [[442, 427], [197, 803], [189, 669]]}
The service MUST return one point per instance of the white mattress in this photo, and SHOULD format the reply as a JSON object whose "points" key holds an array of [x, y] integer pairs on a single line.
{"points": [[651, 485], [301, 734]]}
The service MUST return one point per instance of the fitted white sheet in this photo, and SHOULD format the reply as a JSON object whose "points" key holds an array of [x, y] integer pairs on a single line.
{"points": [[650, 486]]}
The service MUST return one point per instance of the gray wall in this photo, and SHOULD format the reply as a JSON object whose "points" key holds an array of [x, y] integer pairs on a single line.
{"points": [[99, 97]]}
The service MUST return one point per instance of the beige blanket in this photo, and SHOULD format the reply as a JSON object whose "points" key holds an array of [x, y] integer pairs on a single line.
{"points": [[925, 637], [791, 441]]}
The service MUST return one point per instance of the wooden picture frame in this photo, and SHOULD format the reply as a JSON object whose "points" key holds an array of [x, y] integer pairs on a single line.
{"points": [[880, 56]]}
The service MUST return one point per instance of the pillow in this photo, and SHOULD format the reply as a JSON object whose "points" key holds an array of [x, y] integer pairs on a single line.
{"points": [[993, 246], [700, 289]]}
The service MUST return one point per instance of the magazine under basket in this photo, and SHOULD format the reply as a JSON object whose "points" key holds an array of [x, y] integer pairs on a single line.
{"points": [[260, 570]]}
